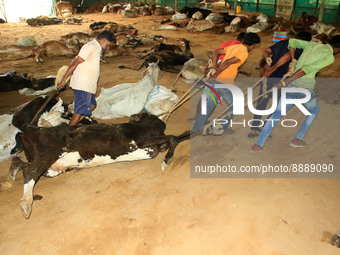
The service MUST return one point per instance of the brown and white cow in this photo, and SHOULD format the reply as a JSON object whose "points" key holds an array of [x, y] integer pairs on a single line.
{"points": [[52, 150]]}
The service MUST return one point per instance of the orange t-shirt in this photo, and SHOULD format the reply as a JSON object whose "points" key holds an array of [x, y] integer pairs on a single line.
{"points": [[239, 51]]}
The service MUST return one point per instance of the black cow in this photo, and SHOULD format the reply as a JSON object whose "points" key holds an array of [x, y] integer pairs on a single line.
{"points": [[167, 59], [100, 24], [52, 150], [189, 11], [12, 81], [25, 114]]}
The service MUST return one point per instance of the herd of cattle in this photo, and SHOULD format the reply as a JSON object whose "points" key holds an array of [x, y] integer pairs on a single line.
{"points": [[55, 147]]}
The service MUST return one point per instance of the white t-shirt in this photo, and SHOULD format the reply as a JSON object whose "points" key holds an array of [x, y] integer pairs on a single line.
{"points": [[86, 75]]}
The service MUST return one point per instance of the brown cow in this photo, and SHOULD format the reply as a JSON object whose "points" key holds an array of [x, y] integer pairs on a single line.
{"points": [[74, 39], [65, 9], [53, 48]]}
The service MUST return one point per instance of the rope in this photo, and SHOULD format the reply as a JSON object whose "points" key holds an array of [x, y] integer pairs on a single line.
{"points": [[183, 99], [223, 116], [212, 71]]}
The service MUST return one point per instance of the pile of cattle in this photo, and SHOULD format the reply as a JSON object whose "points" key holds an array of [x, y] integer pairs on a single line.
{"points": [[192, 18]]}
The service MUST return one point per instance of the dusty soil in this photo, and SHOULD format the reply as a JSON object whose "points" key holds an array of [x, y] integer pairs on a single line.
{"points": [[133, 208]]}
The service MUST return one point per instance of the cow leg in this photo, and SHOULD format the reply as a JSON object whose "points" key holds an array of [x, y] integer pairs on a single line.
{"points": [[169, 155], [27, 199], [171, 141], [16, 166], [174, 141], [32, 173]]}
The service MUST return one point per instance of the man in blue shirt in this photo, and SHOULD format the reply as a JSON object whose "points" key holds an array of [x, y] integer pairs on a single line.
{"points": [[279, 53]]}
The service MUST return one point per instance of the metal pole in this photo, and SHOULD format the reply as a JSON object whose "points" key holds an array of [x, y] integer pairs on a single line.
{"points": [[321, 10]]}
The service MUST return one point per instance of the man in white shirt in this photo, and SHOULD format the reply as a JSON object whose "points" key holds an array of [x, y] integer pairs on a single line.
{"points": [[85, 69]]}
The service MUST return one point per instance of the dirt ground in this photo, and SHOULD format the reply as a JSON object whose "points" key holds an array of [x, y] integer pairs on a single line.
{"points": [[133, 208]]}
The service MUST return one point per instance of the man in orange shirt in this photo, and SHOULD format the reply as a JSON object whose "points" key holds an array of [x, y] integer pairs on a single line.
{"points": [[226, 44], [225, 73]]}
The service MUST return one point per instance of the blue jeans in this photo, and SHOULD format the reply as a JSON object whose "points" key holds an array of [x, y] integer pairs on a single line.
{"points": [[224, 94], [312, 106]]}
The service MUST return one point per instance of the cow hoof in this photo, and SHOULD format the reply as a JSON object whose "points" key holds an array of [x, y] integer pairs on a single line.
{"points": [[164, 166], [26, 208]]}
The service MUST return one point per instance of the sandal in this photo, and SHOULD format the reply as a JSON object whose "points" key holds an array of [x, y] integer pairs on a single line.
{"points": [[256, 148], [297, 143]]}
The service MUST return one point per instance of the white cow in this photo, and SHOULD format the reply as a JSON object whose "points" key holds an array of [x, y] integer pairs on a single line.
{"points": [[260, 26], [124, 100], [321, 28]]}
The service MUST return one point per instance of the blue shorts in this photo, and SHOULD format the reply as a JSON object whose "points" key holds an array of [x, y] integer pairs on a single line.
{"points": [[83, 101]]}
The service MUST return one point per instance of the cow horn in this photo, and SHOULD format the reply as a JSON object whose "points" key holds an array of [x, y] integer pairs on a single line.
{"points": [[157, 61]]}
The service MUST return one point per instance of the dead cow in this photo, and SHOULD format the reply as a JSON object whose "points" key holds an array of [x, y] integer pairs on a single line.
{"points": [[200, 25], [168, 59], [115, 51], [75, 38], [65, 9], [191, 70], [53, 48], [86, 146], [12, 81]]}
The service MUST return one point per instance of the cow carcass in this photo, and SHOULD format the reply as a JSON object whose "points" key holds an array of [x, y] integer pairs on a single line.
{"points": [[200, 25], [126, 99], [53, 48], [65, 9], [168, 59], [12, 122], [164, 27], [10, 81], [43, 21], [129, 13], [191, 71], [115, 51], [260, 26], [322, 28], [52, 150], [189, 11], [74, 39]]}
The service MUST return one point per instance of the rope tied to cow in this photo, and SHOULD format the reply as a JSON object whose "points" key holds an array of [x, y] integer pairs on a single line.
{"points": [[263, 80], [211, 68]]}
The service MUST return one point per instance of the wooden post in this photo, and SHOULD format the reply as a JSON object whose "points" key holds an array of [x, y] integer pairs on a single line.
{"points": [[235, 7], [176, 5], [337, 15], [316, 7], [321, 10], [294, 7], [257, 6]]}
